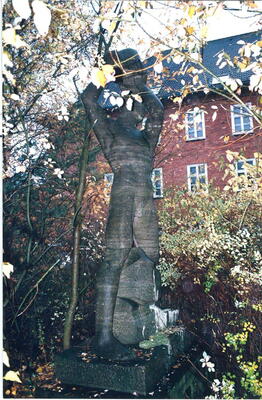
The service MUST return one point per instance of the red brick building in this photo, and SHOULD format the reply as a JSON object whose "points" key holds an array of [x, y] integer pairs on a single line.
{"points": [[193, 147], [197, 134]]}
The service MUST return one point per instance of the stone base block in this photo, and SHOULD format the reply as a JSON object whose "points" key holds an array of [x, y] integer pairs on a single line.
{"points": [[140, 375]]}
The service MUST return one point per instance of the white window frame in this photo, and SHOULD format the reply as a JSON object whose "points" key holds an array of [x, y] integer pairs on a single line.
{"points": [[109, 178], [189, 176], [195, 113], [243, 171], [244, 113], [155, 195]]}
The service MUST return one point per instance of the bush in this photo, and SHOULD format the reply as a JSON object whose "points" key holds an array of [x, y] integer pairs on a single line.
{"points": [[211, 261]]}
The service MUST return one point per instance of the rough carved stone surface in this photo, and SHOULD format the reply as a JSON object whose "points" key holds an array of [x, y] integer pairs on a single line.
{"points": [[125, 282], [132, 323], [136, 279], [141, 375]]}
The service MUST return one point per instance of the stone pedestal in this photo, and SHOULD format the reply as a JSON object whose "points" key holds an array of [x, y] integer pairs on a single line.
{"points": [[141, 375]]}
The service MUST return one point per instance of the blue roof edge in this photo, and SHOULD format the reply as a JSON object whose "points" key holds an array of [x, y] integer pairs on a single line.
{"points": [[173, 87]]}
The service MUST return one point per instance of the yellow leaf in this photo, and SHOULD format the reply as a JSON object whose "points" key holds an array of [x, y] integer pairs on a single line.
{"points": [[259, 43], [112, 27], [191, 11], [6, 359], [108, 69], [39, 369], [98, 77], [9, 36], [203, 32], [190, 30], [7, 269], [251, 4], [242, 64], [137, 98], [142, 4], [7, 59], [226, 139], [12, 376], [229, 156]]}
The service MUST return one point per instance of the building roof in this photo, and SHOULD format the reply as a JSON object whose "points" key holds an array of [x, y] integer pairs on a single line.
{"points": [[175, 77]]}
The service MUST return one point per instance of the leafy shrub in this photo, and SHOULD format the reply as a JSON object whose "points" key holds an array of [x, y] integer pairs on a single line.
{"points": [[211, 250]]}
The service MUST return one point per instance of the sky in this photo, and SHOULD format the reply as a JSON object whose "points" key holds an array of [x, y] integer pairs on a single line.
{"points": [[230, 23], [234, 21]]}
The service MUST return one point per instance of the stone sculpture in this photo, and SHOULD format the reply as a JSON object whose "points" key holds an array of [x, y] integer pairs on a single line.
{"points": [[125, 282]]}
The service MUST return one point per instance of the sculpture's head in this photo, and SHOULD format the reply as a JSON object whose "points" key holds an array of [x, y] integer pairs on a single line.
{"points": [[128, 66]]}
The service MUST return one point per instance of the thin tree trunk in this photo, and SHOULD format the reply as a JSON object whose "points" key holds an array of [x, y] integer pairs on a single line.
{"points": [[76, 242]]}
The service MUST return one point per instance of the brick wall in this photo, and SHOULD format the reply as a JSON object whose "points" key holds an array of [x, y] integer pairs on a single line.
{"points": [[174, 153]]}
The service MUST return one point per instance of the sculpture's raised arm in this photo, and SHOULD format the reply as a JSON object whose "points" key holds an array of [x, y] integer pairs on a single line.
{"points": [[155, 115], [136, 82], [97, 116]]}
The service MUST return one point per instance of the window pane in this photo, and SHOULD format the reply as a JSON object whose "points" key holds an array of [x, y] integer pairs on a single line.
{"points": [[237, 110], [198, 118], [190, 117], [247, 123], [109, 178], [201, 169], [240, 165], [192, 187], [156, 173], [193, 180], [192, 170], [157, 184], [202, 179], [200, 132], [237, 121], [251, 162]]}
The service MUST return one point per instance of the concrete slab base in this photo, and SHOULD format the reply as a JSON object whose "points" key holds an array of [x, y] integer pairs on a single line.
{"points": [[141, 375], [77, 367]]}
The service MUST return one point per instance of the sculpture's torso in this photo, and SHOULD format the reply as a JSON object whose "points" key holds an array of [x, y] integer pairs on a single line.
{"points": [[130, 158]]}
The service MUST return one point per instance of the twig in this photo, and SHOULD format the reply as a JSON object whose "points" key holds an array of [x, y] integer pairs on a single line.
{"points": [[17, 314], [244, 214], [200, 373]]}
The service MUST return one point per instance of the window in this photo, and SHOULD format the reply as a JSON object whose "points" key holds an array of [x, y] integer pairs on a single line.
{"points": [[241, 168], [195, 124], [156, 177], [108, 178], [157, 181], [197, 176], [247, 177], [242, 121]]}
